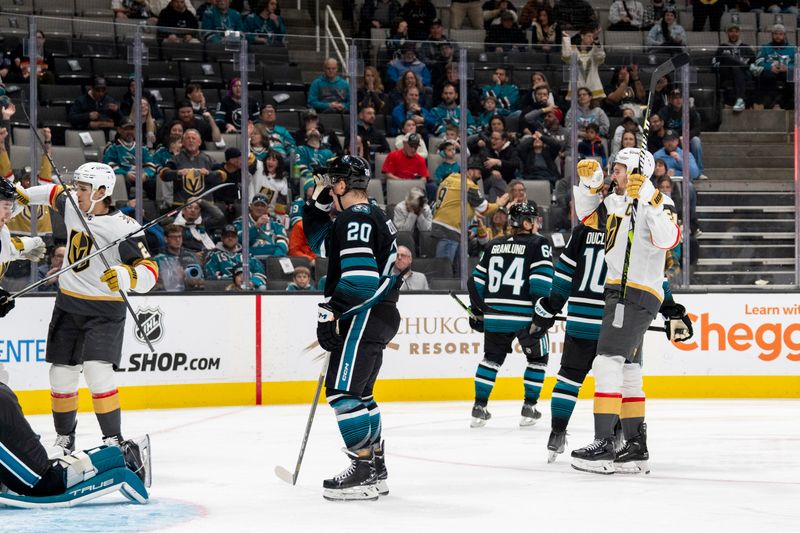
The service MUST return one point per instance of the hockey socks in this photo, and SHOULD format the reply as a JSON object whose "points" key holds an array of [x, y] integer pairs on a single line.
{"points": [[608, 395], [565, 395], [109, 414], [353, 418], [374, 419], [65, 411], [485, 376], [533, 378], [632, 411]]}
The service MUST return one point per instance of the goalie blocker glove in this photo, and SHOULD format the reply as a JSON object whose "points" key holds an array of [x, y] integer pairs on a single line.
{"points": [[677, 324], [328, 328]]}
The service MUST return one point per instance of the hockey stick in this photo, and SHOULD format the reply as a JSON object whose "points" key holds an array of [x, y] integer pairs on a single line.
{"points": [[557, 318], [172, 212], [662, 70], [282, 472]]}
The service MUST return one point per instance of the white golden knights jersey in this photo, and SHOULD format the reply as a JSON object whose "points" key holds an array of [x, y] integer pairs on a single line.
{"points": [[80, 289], [656, 232], [10, 248]]}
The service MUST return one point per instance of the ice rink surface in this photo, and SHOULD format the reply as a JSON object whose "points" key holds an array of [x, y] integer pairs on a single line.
{"points": [[717, 465]]}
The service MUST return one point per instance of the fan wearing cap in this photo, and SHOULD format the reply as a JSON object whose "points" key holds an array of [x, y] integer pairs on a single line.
{"points": [[774, 69], [121, 156], [266, 235], [231, 172], [96, 109], [672, 115], [672, 153], [733, 59], [227, 256], [408, 61], [431, 51], [88, 321], [313, 151], [505, 35], [406, 163]]}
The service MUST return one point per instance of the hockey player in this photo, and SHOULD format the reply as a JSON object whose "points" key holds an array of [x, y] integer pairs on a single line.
{"points": [[36, 480], [655, 232], [358, 318], [579, 277], [13, 248], [86, 329], [512, 274]]}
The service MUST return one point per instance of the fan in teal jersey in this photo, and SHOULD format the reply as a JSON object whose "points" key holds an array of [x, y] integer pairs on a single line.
{"points": [[514, 271]]}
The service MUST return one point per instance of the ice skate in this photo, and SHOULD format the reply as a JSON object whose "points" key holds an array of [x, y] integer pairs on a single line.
{"points": [[479, 416], [633, 457], [555, 445], [530, 415], [597, 457], [66, 443], [357, 482], [380, 468]]}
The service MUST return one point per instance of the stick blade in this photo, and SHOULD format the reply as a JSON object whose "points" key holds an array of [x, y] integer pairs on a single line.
{"points": [[285, 475]]}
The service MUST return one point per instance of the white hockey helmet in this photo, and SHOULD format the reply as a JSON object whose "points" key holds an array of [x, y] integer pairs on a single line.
{"points": [[630, 158], [97, 175]]}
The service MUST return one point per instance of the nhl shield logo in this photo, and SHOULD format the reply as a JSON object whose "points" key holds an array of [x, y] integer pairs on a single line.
{"points": [[152, 322]]}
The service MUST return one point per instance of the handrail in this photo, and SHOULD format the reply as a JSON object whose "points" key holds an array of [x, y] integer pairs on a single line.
{"points": [[330, 39]]}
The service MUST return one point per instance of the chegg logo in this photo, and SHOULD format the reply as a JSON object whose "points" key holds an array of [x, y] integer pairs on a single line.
{"points": [[773, 338]]}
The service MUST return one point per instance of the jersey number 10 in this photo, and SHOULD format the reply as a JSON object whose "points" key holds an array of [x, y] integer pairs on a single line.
{"points": [[593, 271]]}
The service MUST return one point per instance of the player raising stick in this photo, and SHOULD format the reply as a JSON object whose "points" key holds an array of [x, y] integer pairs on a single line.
{"points": [[358, 318], [86, 329], [655, 232], [512, 274]]}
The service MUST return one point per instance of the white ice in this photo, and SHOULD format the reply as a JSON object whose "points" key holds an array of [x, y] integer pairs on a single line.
{"points": [[717, 465]]}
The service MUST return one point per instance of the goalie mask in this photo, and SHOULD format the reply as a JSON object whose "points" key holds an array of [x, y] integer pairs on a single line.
{"points": [[630, 158]]}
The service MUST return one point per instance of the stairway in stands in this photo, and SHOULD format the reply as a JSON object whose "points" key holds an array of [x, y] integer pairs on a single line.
{"points": [[302, 47], [746, 207]]}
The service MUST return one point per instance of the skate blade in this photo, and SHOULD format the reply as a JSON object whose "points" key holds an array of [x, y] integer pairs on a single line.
{"points": [[477, 422], [526, 422], [552, 456], [632, 467], [593, 467], [383, 487], [363, 493]]}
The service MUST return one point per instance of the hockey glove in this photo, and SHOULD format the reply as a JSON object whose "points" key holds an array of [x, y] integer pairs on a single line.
{"points": [[328, 328], [677, 323], [6, 303], [322, 190], [591, 175], [544, 316], [476, 320], [641, 188], [532, 345], [34, 249], [120, 278]]}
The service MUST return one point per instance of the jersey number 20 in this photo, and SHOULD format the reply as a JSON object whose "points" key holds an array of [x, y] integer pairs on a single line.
{"points": [[512, 277], [358, 232]]}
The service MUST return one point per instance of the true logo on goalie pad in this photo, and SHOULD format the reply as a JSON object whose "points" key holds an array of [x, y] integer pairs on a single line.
{"points": [[91, 488], [152, 322]]}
